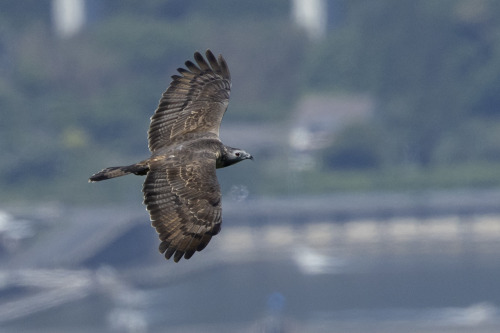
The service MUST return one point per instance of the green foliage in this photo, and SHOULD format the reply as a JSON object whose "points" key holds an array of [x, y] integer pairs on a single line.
{"points": [[70, 107], [468, 175], [431, 65]]}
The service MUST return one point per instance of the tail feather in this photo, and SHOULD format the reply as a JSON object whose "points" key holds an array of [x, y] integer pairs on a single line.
{"points": [[112, 172]]}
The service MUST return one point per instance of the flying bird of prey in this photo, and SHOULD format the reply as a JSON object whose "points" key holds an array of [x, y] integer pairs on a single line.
{"points": [[181, 191]]}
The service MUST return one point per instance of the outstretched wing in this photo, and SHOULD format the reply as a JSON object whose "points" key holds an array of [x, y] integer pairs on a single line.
{"points": [[195, 101], [184, 201]]}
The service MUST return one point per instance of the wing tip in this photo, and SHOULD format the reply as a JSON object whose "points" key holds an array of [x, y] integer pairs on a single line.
{"points": [[216, 64], [219, 64], [170, 251], [178, 255], [202, 63]]}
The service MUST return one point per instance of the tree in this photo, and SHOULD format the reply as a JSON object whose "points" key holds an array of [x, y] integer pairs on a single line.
{"points": [[431, 65]]}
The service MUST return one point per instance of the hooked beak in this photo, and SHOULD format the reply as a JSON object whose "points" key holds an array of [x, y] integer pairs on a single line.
{"points": [[249, 157]]}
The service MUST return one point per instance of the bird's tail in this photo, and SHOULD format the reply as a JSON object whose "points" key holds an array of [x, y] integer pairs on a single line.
{"points": [[112, 172]]}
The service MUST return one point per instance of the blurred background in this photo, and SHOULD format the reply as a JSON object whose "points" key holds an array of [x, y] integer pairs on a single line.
{"points": [[372, 203]]}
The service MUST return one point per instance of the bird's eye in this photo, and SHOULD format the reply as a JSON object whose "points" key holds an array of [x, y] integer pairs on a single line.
{"points": [[237, 154]]}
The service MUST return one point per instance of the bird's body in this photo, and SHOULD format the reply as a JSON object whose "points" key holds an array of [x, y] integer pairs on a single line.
{"points": [[181, 191]]}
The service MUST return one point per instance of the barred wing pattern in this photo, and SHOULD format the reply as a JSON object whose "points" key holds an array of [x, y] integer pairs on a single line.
{"points": [[184, 201], [195, 101]]}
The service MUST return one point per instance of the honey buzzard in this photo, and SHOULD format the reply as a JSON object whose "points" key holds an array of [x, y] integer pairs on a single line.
{"points": [[181, 191]]}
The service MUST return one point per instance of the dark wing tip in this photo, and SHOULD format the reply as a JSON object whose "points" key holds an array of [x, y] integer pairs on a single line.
{"points": [[213, 61], [178, 255], [198, 55], [189, 253], [201, 62], [209, 53], [192, 67], [163, 246], [217, 65], [169, 252], [224, 68], [172, 251]]}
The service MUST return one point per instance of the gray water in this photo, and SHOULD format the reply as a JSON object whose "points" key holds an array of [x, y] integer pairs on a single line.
{"points": [[438, 274]]}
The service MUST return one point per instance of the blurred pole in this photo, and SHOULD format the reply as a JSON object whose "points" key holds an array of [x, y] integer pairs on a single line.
{"points": [[312, 15], [68, 17]]}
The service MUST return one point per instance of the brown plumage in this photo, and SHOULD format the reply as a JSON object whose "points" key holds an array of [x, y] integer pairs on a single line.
{"points": [[181, 191]]}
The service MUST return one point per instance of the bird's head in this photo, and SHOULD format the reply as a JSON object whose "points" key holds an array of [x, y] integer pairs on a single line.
{"points": [[232, 156]]}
